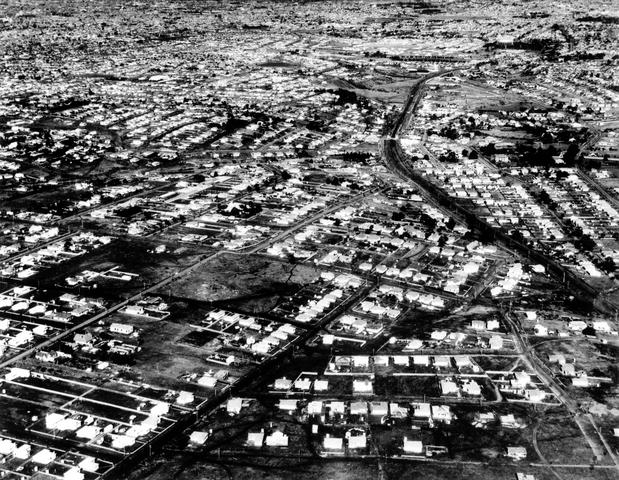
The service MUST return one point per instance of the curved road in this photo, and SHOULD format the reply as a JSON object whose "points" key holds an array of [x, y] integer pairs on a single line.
{"points": [[395, 159]]}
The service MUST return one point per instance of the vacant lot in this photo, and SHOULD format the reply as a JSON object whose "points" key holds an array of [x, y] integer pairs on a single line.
{"points": [[250, 283]]}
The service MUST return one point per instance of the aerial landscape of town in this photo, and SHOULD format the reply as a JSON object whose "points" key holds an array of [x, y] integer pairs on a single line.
{"points": [[320, 240]]}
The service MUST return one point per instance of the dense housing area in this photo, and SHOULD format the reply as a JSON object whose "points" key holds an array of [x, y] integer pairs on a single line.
{"points": [[335, 239]]}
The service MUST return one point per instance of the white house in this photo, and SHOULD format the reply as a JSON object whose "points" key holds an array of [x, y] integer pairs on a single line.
{"points": [[333, 443], [287, 404], [362, 386], [379, 409], [89, 464], [234, 405], [283, 384], [358, 408], [356, 438], [121, 328], [255, 439], [412, 446], [321, 385], [314, 407], [277, 439], [422, 410], [185, 398], [517, 453], [198, 438], [441, 413], [337, 407], [449, 387], [43, 457], [74, 473]]}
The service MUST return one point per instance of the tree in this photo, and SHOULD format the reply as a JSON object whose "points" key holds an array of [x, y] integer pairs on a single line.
{"points": [[449, 157], [518, 236], [428, 221], [547, 138], [585, 243], [569, 157], [544, 197], [489, 149], [608, 265]]}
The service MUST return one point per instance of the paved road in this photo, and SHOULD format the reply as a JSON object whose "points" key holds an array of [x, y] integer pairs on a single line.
{"points": [[178, 275], [215, 402], [393, 156], [169, 279], [538, 451], [598, 445], [592, 183], [38, 246]]}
